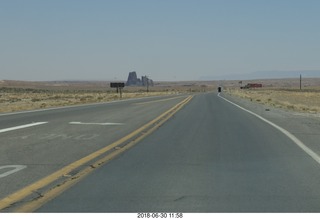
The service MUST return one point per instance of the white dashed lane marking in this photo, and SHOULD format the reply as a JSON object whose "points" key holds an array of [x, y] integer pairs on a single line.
{"points": [[10, 169], [21, 127]]}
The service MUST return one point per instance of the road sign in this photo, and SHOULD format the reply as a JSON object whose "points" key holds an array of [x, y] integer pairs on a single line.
{"points": [[119, 86], [116, 84]]}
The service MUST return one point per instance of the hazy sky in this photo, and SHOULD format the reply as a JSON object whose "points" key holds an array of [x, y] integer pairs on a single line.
{"points": [[164, 39]]}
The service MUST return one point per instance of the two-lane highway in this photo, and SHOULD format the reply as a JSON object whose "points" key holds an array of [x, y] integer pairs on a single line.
{"points": [[38, 143], [211, 157]]}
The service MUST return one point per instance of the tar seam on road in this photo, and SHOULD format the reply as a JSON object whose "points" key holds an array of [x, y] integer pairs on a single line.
{"points": [[299, 143], [156, 101], [16, 199]]}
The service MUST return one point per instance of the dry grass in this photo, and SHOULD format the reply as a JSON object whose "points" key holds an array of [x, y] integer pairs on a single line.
{"points": [[281, 93], [18, 101], [19, 96], [305, 100]]}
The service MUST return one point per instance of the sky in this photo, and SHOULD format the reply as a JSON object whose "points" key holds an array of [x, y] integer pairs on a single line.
{"points": [[167, 40]]}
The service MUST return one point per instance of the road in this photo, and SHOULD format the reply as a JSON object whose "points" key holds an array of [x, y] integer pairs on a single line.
{"points": [[58, 137], [211, 156]]}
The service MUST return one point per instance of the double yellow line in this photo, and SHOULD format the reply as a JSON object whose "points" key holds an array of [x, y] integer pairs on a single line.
{"points": [[63, 179]]}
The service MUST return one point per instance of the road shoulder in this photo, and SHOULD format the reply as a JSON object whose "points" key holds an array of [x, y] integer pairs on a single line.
{"points": [[304, 126]]}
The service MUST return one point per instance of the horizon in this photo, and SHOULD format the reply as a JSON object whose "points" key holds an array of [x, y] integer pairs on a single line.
{"points": [[164, 81], [259, 75]]}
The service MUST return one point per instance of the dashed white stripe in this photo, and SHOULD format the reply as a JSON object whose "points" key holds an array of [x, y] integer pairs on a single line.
{"points": [[22, 127], [12, 169]]}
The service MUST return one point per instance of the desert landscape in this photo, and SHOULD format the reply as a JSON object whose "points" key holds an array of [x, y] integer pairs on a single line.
{"points": [[23, 95], [280, 93]]}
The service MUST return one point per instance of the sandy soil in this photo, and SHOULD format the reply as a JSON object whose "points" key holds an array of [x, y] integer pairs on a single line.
{"points": [[21, 95], [281, 93], [291, 99]]}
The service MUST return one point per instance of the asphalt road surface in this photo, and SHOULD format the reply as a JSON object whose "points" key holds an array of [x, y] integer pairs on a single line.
{"points": [[211, 156], [36, 144]]}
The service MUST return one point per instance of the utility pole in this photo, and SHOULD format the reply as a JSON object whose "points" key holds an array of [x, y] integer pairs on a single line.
{"points": [[147, 79], [300, 82]]}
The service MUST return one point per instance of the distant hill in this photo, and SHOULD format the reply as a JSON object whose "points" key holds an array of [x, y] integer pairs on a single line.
{"points": [[265, 75]]}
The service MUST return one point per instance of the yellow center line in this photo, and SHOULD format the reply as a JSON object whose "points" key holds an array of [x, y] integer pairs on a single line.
{"points": [[28, 190]]}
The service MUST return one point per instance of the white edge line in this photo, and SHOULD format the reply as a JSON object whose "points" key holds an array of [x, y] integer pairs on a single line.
{"points": [[22, 127], [287, 133]]}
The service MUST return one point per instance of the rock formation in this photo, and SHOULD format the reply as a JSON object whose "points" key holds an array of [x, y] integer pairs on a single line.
{"points": [[133, 80]]}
